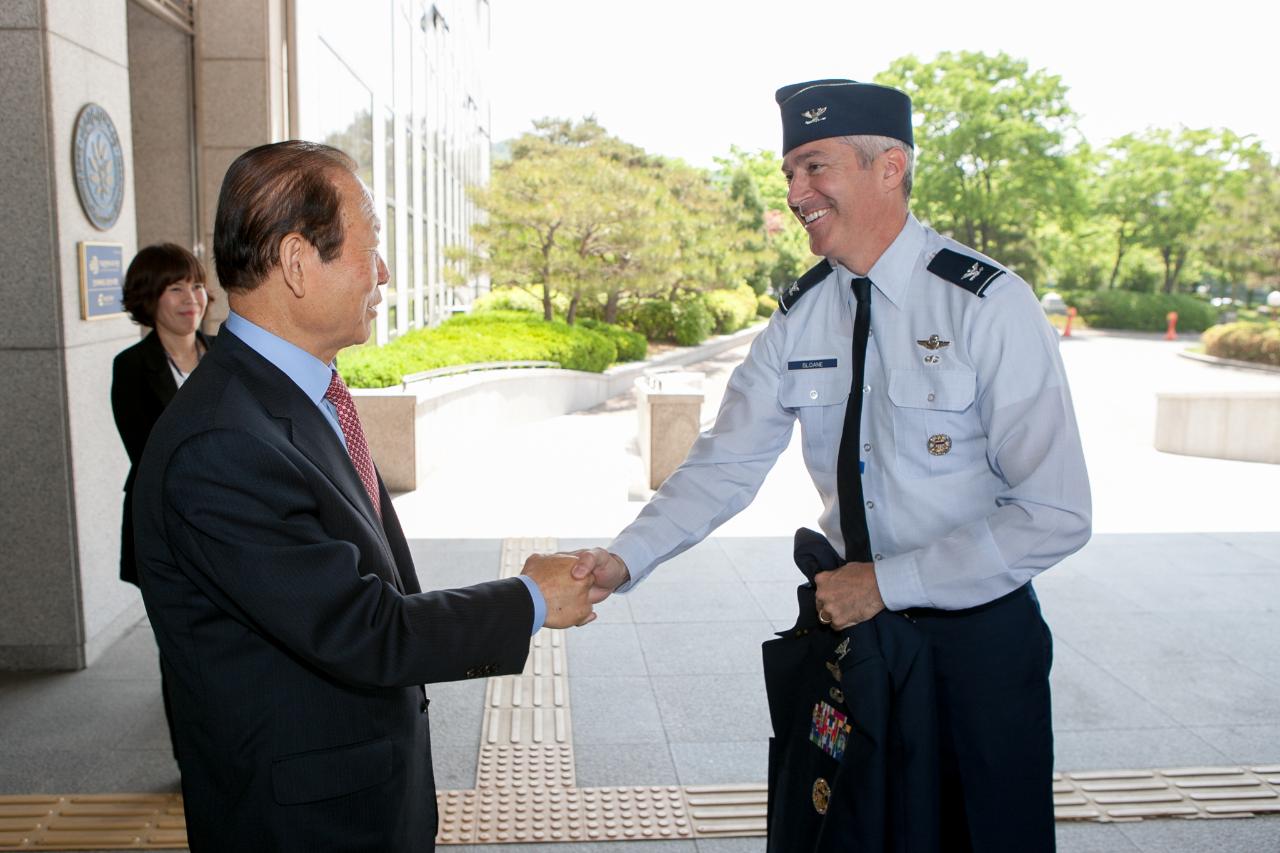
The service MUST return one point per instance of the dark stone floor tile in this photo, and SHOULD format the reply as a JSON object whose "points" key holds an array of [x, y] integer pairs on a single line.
{"points": [[702, 647], [600, 765], [722, 763], [713, 708], [693, 602], [1253, 835], [605, 649], [1137, 749], [615, 709]]}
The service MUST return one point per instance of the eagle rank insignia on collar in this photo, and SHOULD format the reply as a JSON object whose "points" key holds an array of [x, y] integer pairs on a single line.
{"points": [[972, 274], [803, 285]]}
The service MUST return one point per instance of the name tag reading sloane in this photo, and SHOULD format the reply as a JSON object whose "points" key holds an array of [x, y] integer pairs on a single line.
{"points": [[812, 364]]}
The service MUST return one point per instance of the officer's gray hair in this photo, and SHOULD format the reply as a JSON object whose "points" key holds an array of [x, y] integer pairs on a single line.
{"points": [[868, 148]]}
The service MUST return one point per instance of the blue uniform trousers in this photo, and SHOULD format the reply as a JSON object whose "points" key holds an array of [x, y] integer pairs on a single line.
{"points": [[996, 737]]}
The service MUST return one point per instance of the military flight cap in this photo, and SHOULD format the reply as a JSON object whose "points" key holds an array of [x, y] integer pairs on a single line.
{"points": [[821, 109]]}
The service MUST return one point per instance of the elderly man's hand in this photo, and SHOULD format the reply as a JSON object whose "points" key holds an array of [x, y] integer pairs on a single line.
{"points": [[848, 595], [566, 595], [606, 570]]}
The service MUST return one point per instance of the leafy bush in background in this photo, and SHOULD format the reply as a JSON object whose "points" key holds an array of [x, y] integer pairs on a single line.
{"points": [[731, 310], [693, 321], [653, 318], [1244, 341], [1126, 309], [511, 299], [765, 305]]}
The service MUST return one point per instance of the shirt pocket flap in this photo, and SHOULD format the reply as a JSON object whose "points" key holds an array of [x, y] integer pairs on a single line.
{"points": [[939, 390], [817, 386], [328, 773]]}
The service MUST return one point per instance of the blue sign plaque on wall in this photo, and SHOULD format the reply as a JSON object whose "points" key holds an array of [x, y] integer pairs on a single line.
{"points": [[99, 166], [101, 280]]}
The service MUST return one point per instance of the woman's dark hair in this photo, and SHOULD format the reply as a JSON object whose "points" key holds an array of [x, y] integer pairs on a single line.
{"points": [[150, 272], [271, 191]]}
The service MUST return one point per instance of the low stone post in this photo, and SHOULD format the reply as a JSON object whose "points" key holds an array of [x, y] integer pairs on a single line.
{"points": [[670, 410]]}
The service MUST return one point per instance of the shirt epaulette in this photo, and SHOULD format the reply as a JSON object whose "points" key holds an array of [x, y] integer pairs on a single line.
{"points": [[970, 273], [803, 284]]}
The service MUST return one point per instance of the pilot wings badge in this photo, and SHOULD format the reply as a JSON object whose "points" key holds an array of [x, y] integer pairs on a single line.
{"points": [[815, 115], [934, 342]]}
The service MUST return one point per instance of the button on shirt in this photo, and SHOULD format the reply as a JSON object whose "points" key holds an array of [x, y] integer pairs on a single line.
{"points": [[313, 376], [1006, 499]]}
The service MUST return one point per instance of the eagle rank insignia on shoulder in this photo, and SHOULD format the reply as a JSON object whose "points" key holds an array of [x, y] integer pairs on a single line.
{"points": [[972, 274], [803, 285]]}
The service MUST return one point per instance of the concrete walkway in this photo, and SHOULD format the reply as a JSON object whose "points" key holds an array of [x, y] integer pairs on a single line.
{"points": [[1166, 648]]}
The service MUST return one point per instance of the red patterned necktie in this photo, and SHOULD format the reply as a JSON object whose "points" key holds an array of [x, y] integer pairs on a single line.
{"points": [[357, 447]]}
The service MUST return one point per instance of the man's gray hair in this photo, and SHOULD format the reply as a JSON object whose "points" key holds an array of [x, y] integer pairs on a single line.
{"points": [[868, 148]]}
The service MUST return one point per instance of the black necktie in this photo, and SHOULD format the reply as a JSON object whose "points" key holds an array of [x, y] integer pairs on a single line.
{"points": [[853, 513]]}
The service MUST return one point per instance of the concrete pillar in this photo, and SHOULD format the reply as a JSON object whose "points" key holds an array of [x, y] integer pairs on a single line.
{"points": [[242, 101], [62, 460]]}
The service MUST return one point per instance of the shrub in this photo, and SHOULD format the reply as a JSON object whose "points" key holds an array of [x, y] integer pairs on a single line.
{"points": [[1244, 342], [507, 299], [653, 318], [765, 305], [632, 346], [731, 310], [1125, 309], [467, 339], [693, 321]]}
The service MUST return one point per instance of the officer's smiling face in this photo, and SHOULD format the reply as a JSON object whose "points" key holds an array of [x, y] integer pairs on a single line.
{"points": [[836, 200]]}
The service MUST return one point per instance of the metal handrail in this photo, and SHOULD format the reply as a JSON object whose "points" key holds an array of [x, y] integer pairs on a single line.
{"points": [[455, 369]]}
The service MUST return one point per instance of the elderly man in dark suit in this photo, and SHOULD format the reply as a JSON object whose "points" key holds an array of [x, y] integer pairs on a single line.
{"points": [[293, 630]]}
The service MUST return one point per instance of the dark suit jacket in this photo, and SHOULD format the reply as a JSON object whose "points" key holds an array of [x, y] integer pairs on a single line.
{"points": [[883, 790], [141, 386], [292, 629]]}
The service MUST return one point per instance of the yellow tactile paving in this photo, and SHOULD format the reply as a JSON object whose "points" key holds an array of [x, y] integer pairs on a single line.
{"points": [[92, 822], [526, 790]]}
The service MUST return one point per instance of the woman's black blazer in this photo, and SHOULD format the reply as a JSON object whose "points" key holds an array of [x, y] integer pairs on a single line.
{"points": [[141, 386]]}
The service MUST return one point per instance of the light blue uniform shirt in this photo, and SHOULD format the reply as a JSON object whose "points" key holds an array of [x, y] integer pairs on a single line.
{"points": [[1007, 499], [313, 376]]}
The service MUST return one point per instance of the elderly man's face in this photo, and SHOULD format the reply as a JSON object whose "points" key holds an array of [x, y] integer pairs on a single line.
{"points": [[835, 199], [348, 288]]}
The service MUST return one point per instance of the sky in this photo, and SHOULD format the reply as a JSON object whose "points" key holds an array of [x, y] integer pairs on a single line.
{"points": [[688, 78]]}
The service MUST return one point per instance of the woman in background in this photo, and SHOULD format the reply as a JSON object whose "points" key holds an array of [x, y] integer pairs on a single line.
{"points": [[164, 288]]}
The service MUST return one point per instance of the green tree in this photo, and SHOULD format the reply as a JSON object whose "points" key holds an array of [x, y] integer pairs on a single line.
{"points": [[579, 217], [992, 140], [779, 245], [1158, 189], [1240, 237]]}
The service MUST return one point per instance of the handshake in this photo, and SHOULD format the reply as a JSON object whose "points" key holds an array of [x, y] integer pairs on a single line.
{"points": [[572, 584]]}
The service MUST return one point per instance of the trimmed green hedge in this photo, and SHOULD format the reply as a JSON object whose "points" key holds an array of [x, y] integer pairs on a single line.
{"points": [[1146, 312], [467, 339], [1244, 341], [765, 305], [632, 346]]}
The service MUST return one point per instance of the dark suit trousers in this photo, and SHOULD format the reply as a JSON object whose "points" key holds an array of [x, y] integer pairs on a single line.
{"points": [[992, 664]]}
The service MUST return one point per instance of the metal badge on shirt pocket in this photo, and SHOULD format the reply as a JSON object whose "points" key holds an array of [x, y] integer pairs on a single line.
{"points": [[830, 730], [934, 424]]}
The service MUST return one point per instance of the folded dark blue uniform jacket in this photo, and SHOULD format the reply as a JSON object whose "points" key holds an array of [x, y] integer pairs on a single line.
{"points": [[853, 764]]}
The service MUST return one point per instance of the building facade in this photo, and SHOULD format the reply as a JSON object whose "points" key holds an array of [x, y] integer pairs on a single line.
{"points": [[186, 86]]}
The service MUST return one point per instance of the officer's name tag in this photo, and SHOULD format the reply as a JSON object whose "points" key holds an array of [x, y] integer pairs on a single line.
{"points": [[811, 364]]}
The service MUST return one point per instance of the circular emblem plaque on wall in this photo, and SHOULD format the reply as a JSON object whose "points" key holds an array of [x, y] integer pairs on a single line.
{"points": [[99, 166]]}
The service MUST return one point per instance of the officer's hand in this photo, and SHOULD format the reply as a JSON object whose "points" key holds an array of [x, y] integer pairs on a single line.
{"points": [[607, 570], [848, 595], [566, 595]]}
